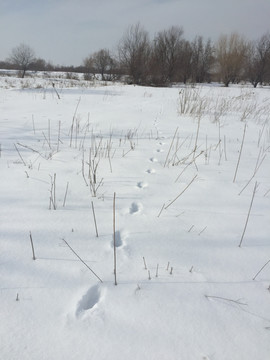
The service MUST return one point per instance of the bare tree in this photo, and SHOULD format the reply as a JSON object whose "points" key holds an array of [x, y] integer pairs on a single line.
{"points": [[166, 54], [103, 63], [22, 57], [40, 65], [184, 70], [88, 68], [258, 61], [231, 51], [134, 51], [202, 60]]}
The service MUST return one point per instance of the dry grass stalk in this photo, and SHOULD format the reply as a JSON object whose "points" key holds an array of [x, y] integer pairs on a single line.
{"points": [[72, 124], [94, 215], [49, 133], [82, 260], [20, 155], [65, 197], [267, 192], [32, 246], [170, 147], [236, 170], [253, 195], [258, 165], [144, 263], [53, 193], [222, 298], [178, 177], [58, 137], [114, 240], [92, 172], [166, 207], [163, 206], [157, 270], [33, 124], [30, 148], [261, 269], [190, 102], [225, 148], [53, 85], [196, 139], [202, 230]]}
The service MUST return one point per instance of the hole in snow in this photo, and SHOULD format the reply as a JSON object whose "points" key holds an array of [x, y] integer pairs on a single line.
{"points": [[118, 239], [135, 208], [151, 171], [89, 300], [142, 184]]}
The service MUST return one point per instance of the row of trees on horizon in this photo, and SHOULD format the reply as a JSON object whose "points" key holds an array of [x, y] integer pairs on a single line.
{"points": [[167, 58]]}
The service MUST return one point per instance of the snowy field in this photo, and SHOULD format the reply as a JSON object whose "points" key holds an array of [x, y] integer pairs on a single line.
{"points": [[190, 170]]}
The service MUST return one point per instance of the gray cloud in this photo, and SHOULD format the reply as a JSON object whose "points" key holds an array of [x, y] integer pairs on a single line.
{"points": [[66, 31]]}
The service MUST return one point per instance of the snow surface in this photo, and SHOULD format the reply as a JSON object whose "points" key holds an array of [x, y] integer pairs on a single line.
{"points": [[196, 298]]}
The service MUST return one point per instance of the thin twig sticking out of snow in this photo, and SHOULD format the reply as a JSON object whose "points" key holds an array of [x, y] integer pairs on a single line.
{"points": [[32, 246], [161, 210], [19, 154], [65, 197], [94, 215], [53, 85], [170, 147], [258, 165], [82, 260], [254, 191], [222, 298], [145, 266], [239, 157], [157, 270], [166, 207], [261, 270], [53, 193], [114, 239]]}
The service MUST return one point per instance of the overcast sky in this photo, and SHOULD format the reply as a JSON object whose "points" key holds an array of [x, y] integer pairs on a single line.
{"points": [[66, 31]]}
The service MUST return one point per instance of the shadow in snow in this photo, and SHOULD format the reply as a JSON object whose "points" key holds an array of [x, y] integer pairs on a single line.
{"points": [[135, 208], [89, 300]]}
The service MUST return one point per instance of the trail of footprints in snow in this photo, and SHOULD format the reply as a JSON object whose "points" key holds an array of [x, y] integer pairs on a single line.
{"points": [[93, 296], [135, 208], [91, 299]]}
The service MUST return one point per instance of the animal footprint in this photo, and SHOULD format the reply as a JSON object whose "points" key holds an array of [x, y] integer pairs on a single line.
{"points": [[153, 159], [159, 150], [135, 208], [151, 171], [120, 237], [89, 300], [142, 184]]}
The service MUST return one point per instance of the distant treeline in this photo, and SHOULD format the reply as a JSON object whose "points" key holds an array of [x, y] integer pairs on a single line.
{"points": [[166, 59]]}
